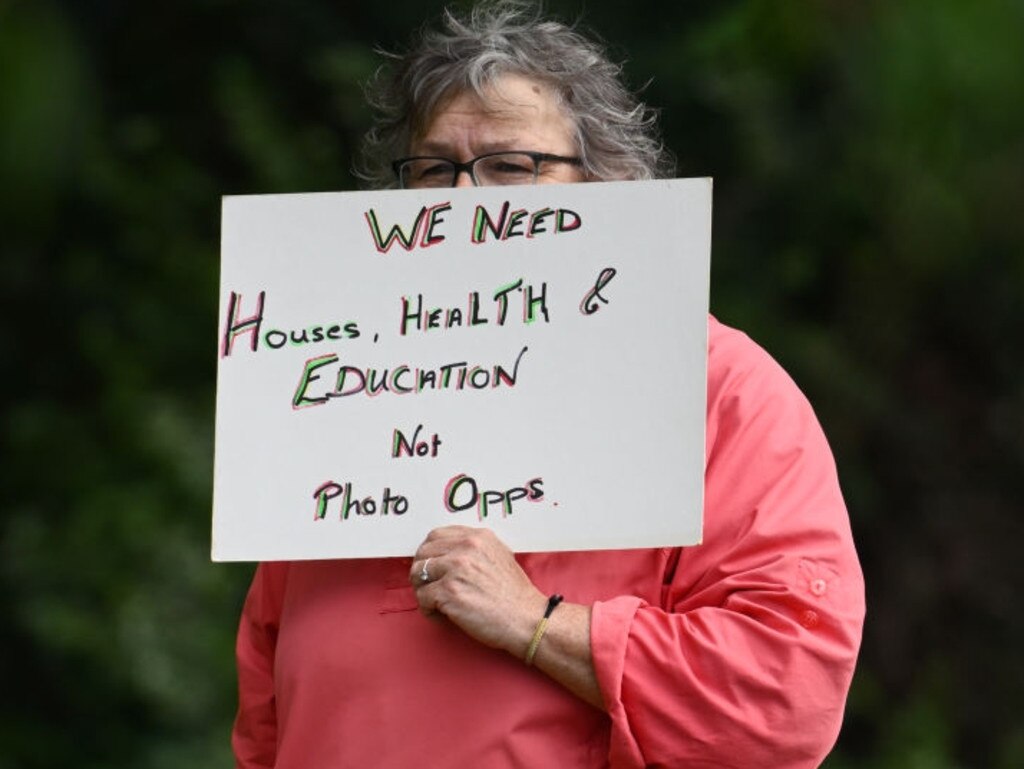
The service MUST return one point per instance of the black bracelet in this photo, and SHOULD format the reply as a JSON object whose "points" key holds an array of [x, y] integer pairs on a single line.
{"points": [[553, 601]]}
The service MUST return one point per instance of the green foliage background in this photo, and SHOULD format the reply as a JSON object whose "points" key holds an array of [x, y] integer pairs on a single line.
{"points": [[869, 231]]}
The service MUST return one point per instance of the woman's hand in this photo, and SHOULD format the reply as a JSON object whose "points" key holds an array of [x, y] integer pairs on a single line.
{"points": [[475, 582], [473, 579]]}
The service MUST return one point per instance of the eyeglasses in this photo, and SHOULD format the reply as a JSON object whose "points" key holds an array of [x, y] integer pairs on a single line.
{"points": [[495, 169]]}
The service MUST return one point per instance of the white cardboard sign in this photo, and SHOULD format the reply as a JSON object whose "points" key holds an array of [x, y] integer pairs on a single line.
{"points": [[532, 359]]}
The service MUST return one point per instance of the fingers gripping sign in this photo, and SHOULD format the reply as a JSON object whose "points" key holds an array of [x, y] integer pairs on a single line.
{"points": [[471, 577]]}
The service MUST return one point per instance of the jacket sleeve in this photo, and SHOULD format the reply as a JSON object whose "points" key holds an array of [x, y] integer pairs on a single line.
{"points": [[748, 658], [254, 737]]}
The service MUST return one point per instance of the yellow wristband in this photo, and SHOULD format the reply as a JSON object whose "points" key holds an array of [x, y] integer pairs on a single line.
{"points": [[553, 601]]}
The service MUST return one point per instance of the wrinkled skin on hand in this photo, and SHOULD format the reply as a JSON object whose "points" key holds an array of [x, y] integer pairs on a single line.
{"points": [[477, 584]]}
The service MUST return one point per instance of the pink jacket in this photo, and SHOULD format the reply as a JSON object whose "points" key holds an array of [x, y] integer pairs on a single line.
{"points": [[734, 653]]}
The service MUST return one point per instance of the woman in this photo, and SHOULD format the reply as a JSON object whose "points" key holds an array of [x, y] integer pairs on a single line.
{"points": [[737, 652]]}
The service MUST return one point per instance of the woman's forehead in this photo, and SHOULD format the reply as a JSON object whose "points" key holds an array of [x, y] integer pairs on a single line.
{"points": [[509, 103]]}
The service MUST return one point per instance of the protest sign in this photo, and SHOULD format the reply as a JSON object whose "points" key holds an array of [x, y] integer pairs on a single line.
{"points": [[531, 359]]}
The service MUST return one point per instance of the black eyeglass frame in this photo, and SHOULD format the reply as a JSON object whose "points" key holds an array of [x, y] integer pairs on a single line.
{"points": [[469, 166]]}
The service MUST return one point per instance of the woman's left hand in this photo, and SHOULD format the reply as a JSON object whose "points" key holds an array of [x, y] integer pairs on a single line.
{"points": [[474, 581]]}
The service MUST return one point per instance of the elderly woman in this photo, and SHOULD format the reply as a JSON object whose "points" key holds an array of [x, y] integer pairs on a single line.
{"points": [[734, 653]]}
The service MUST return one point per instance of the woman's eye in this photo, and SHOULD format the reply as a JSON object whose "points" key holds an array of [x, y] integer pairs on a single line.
{"points": [[507, 167], [429, 173], [435, 169], [508, 170]]}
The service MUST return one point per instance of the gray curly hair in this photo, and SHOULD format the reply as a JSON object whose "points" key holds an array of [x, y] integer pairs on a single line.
{"points": [[616, 134]]}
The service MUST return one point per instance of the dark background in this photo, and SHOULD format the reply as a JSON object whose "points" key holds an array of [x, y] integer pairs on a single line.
{"points": [[869, 231]]}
